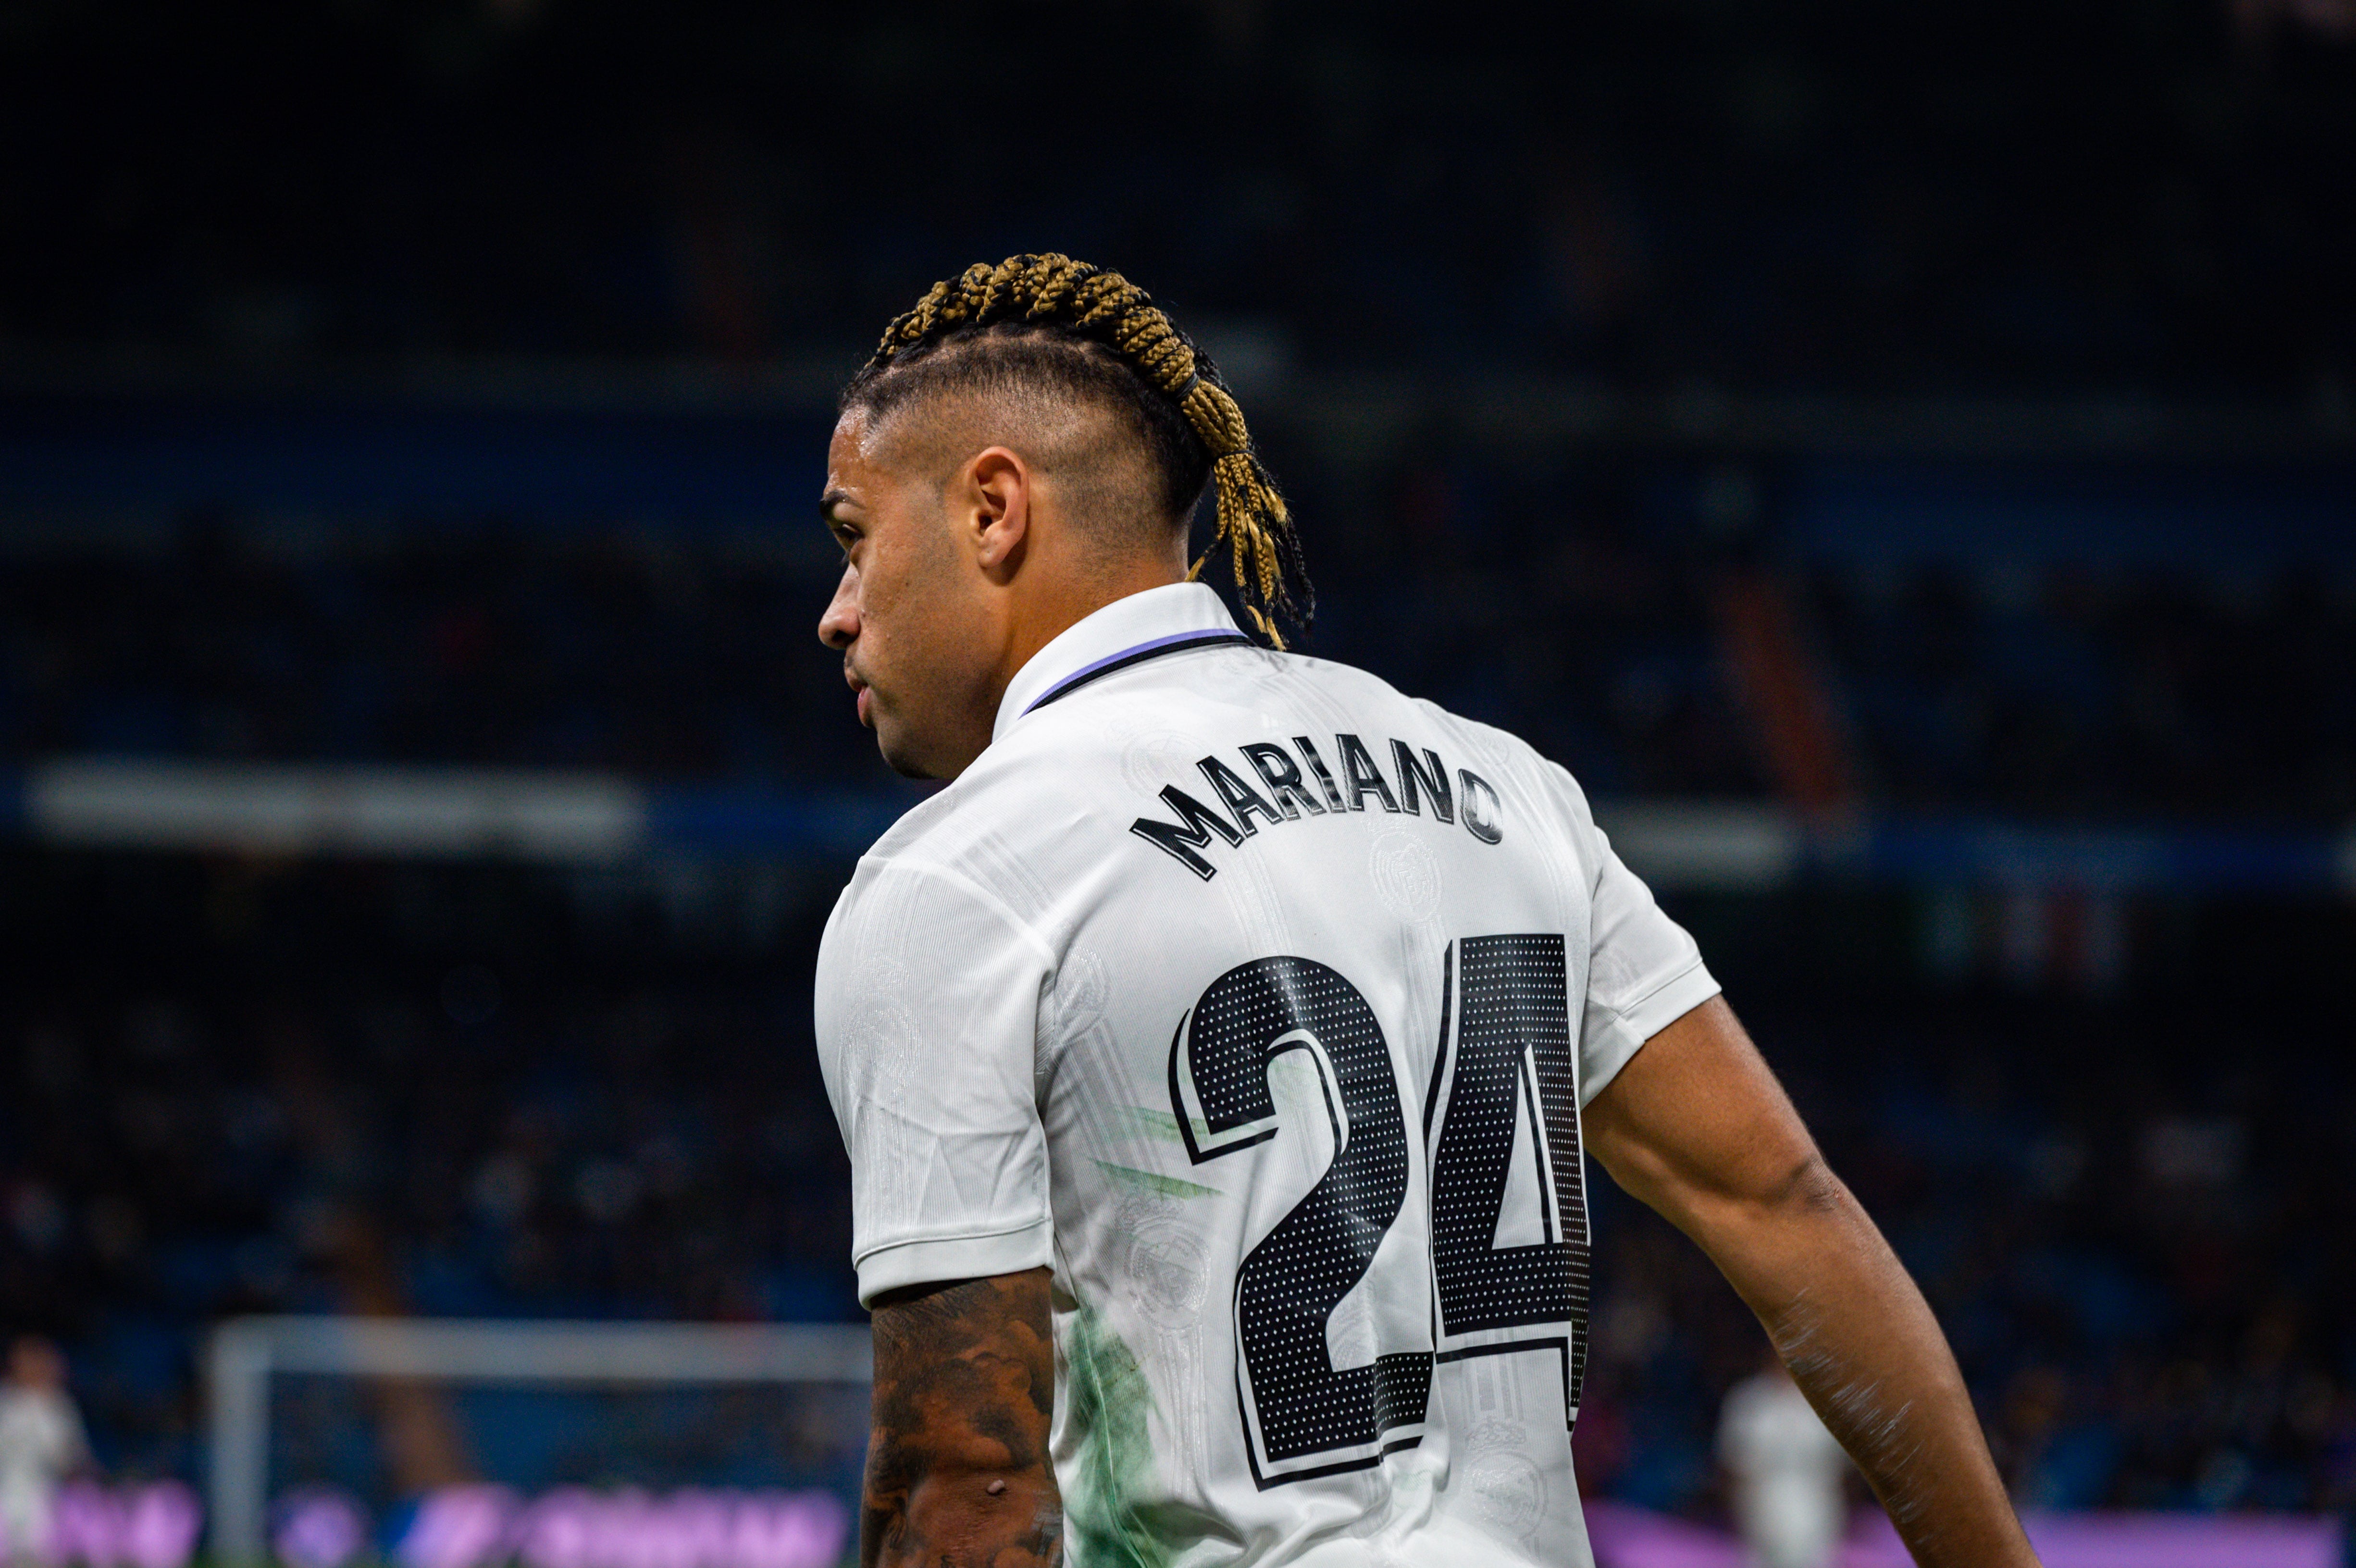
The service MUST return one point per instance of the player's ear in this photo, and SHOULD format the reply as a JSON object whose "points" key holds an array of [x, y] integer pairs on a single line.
{"points": [[996, 509]]}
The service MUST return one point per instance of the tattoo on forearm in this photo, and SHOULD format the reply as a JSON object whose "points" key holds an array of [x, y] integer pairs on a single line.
{"points": [[958, 1474]]}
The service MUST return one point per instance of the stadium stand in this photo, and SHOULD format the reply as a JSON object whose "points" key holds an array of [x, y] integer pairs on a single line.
{"points": [[2085, 689], [483, 1092], [1928, 440], [469, 1089]]}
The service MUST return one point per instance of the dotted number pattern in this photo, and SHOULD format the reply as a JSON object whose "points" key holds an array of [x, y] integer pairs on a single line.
{"points": [[1289, 1284], [1513, 1056], [1514, 1059]]}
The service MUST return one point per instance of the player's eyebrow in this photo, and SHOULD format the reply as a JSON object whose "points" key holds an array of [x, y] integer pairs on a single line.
{"points": [[828, 503]]}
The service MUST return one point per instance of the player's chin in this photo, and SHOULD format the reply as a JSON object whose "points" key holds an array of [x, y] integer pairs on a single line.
{"points": [[909, 768], [893, 741]]}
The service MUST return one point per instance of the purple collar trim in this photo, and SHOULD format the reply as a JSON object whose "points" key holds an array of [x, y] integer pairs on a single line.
{"points": [[1177, 641]]}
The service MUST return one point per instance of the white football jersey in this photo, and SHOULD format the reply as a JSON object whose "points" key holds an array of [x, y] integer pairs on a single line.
{"points": [[1259, 1002]]}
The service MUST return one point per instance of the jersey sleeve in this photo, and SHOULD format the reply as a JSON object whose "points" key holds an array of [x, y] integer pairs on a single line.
{"points": [[1644, 971], [926, 1011]]}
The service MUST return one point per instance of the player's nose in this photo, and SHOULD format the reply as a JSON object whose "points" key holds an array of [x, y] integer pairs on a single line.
{"points": [[839, 627]]}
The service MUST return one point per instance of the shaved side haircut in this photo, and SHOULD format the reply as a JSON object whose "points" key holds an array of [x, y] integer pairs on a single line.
{"points": [[1047, 330]]}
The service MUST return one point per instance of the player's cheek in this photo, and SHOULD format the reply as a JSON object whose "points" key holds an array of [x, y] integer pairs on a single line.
{"points": [[875, 597]]}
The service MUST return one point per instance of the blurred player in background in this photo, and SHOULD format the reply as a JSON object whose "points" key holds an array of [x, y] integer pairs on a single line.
{"points": [[41, 1443], [1212, 1052], [1787, 1472]]}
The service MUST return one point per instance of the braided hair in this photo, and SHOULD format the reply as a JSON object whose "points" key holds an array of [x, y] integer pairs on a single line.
{"points": [[1049, 319]]}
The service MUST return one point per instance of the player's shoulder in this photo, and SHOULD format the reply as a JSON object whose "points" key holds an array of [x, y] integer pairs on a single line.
{"points": [[931, 886], [1512, 762], [1537, 806], [999, 834], [934, 840]]}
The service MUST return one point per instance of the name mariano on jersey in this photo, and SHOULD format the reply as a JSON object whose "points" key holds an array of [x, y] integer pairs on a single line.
{"points": [[1420, 778], [1259, 1003]]}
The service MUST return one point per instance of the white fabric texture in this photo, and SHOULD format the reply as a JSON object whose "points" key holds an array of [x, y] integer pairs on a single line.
{"points": [[1040, 989]]}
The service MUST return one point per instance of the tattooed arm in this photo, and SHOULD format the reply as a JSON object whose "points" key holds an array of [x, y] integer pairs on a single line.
{"points": [[1697, 1127], [957, 1470]]}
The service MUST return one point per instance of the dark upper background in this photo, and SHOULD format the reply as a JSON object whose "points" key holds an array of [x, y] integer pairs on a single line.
{"points": [[2146, 193], [1895, 421]]}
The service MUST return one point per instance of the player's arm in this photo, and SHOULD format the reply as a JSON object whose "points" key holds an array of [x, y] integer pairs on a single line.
{"points": [[1697, 1126], [957, 1470]]}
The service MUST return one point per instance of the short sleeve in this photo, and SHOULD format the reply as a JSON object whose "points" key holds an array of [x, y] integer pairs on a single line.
{"points": [[1644, 971], [926, 1006]]}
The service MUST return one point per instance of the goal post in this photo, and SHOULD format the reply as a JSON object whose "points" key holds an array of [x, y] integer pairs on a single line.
{"points": [[245, 1353]]}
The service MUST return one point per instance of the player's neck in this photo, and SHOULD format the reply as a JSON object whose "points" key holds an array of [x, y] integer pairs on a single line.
{"points": [[1054, 608], [1047, 595]]}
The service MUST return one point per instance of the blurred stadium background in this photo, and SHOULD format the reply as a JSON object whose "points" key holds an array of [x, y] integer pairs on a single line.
{"points": [[1903, 463]]}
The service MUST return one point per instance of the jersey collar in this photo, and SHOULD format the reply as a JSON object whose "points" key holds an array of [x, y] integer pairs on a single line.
{"points": [[1168, 619]]}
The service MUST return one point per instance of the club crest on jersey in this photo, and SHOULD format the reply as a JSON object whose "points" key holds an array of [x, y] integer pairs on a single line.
{"points": [[1295, 783]]}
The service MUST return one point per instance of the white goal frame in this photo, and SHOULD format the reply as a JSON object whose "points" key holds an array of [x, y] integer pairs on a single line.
{"points": [[245, 1352]]}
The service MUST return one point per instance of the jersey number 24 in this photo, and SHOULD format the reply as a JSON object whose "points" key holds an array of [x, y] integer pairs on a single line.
{"points": [[1505, 1058]]}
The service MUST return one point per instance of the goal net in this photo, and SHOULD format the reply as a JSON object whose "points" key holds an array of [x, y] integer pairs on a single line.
{"points": [[441, 1444]]}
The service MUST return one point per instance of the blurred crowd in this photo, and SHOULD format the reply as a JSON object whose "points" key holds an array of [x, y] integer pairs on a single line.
{"points": [[1593, 607], [455, 1092], [2099, 694], [2128, 1231], [658, 656], [498, 1093], [255, 1086], [239, 1085], [245, 1086]]}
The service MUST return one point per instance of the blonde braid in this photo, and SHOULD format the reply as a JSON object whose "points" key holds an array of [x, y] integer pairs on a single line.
{"points": [[1055, 290]]}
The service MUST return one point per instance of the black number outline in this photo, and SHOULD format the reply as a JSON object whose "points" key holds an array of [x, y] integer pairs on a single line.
{"points": [[1544, 1074], [1546, 1086], [1386, 1413]]}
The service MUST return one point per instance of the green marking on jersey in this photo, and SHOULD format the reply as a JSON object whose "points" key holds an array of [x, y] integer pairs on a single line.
{"points": [[1145, 1122], [1110, 1405], [1148, 1181]]}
